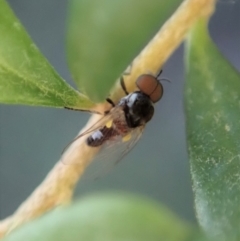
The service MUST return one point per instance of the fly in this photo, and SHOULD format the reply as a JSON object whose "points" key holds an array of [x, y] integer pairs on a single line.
{"points": [[120, 128]]}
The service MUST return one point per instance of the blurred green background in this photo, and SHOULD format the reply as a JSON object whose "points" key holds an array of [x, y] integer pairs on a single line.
{"points": [[32, 138]]}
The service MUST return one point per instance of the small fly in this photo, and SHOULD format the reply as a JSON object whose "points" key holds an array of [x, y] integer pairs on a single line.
{"points": [[120, 128]]}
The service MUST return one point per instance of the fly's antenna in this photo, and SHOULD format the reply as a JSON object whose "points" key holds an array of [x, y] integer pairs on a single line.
{"points": [[165, 79], [162, 79], [158, 75]]}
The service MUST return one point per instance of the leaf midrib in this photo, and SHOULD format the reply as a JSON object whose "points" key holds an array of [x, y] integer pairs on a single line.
{"points": [[34, 82]]}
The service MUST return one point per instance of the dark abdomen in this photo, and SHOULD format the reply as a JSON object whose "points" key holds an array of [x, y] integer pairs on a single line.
{"points": [[100, 136]]}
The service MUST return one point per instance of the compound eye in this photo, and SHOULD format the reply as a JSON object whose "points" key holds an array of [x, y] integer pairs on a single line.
{"points": [[150, 86]]}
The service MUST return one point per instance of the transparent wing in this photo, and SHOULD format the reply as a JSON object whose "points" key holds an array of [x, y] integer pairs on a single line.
{"points": [[111, 152], [81, 138]]}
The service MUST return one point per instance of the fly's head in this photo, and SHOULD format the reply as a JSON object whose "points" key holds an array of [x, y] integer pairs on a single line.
{"points": [[138, 106], [150, 86]]}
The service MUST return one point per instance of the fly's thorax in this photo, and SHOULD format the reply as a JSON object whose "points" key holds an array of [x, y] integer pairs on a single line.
{"points": [[119, 122], [138, 109]]}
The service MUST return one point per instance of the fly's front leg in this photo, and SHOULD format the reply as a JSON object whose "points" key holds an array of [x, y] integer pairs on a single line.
{"points": [[89, 111], [122, 83]]}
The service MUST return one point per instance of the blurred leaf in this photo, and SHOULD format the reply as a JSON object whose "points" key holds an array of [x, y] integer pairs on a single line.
{"points": [[213, 126], [25, 75], [105, 36], [109, 217]]}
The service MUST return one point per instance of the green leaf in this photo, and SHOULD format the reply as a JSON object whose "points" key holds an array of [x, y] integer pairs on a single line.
{"points": [[26, 77], [108, 217], [213, 128], [105, 36]]}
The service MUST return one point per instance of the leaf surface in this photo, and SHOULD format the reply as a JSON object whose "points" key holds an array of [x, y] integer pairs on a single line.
{"points": [[213, 127], [117, 217], [26, 77], [105, 36]]}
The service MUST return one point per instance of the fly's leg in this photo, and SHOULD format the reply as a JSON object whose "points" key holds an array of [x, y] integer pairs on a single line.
{"points": [[122, 83], [110, 102], [123, 88], [90, 111]]}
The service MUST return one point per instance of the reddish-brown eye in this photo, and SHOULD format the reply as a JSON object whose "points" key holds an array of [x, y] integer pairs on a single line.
{"points": [[150, 86]]}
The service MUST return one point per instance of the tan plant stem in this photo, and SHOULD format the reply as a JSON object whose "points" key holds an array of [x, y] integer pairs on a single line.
{"points": [[169, 37], [58, 187]]}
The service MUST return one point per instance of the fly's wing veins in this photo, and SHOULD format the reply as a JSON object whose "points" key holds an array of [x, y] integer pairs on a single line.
{"points": [[111, 151]]}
